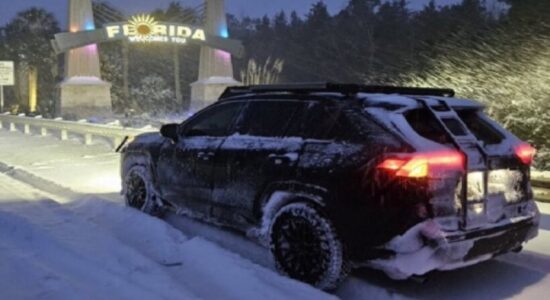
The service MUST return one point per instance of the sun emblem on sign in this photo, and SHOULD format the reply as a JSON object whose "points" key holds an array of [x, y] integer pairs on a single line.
{"points": [[143, 24]]}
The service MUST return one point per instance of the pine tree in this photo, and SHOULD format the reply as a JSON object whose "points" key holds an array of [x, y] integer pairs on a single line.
{"points": [[27, 43]]}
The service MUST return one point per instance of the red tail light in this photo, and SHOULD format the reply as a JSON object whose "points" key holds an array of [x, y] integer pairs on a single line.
{"points": [[525, 153], [423, 164]]}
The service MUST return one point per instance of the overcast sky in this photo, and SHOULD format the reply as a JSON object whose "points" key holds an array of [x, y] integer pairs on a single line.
{"points": [[8, 8]]}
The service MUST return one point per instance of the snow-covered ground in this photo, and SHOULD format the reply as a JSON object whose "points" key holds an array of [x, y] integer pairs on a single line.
{"points": [[79, 242], [85, 169], [96, 249]]}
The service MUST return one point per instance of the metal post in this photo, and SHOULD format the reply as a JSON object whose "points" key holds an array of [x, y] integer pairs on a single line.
{"points": [[1, 98], [177, 83], [125, 76]]}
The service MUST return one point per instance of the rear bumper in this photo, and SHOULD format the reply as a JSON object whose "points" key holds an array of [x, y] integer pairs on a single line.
{"points": [[425, 247]]}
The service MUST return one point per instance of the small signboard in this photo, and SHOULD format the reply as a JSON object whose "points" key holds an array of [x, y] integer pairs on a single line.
{"points": [[6, 78], [6, 73]]}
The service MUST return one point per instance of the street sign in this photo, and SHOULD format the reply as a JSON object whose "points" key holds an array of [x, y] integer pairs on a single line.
{"points": [[6, 73]]}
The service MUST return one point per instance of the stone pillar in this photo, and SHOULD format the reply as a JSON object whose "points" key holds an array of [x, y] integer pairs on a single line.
{"points": [[83, 93], [215, 67]]}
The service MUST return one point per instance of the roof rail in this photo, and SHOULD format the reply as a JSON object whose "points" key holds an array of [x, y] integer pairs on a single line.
{"points": [[347, 89]]}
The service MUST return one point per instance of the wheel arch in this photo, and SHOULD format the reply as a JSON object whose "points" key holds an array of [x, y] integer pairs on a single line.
{"points": [[132, 158], [140, 158], [280, 194]]}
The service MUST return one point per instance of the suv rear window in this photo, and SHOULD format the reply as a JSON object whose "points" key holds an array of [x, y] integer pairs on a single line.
{"points": [[454, 126], [425, 125], [422, 121], [480, 128]]}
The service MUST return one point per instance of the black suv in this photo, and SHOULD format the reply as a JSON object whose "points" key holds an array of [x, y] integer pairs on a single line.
{"points": [[330, 176]]}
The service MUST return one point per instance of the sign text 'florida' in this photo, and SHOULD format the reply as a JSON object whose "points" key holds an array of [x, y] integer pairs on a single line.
{"points": [[144, 28]]}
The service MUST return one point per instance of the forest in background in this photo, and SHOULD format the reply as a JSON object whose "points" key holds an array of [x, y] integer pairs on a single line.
{"points": [[497, 54]]}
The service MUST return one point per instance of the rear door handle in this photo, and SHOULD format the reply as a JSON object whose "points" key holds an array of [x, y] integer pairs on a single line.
{"points": [[205, 155], [282, 159]]}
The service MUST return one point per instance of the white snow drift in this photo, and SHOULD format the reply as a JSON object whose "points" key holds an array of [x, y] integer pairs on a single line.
{"points": [[95, 249]]}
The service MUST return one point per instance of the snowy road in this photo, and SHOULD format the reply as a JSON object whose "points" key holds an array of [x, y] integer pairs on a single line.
{"points": [[83, 248], [15, 191]]}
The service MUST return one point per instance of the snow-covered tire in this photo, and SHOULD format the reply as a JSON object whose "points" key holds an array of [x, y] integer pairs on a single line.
{"points": [[305, 246], [139, 191]]}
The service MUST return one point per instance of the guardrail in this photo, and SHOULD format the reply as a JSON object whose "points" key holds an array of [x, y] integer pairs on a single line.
{"points": [[89, 131], [541, 188], [115, 134], [540, 183]]}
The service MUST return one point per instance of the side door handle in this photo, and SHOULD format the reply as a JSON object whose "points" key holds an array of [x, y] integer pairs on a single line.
{"points": [[205, 155], [287, 158]]}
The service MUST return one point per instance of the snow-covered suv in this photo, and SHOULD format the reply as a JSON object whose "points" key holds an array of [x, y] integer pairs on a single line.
{"points": [[329, 176]]}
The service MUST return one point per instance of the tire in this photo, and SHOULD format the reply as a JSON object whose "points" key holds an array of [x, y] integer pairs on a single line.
{"points": [[139, 192], [305, 246]]}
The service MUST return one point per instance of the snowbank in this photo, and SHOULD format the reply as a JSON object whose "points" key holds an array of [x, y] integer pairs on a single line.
{"points": [[95, 249]]}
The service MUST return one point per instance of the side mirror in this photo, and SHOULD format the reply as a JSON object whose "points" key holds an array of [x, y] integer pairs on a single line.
{"points": [[170, 131]]}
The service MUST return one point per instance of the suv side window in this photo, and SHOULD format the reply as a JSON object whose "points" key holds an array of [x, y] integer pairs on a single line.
{"points": [[267, 118], [214, 122], [324, 122], [343, 130]]}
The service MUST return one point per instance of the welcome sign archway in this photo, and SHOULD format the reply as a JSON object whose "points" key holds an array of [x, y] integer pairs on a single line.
{"points": [[83, 93]]}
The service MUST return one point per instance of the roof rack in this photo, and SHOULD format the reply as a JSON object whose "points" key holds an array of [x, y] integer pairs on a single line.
{"points": [[347, 89]]}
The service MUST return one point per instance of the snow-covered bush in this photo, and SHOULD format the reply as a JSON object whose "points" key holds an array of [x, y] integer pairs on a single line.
{"points": [[267, 73], [153, 96]]}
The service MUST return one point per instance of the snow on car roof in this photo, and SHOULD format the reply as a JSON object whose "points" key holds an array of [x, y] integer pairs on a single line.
{"points": [[405, 101]]}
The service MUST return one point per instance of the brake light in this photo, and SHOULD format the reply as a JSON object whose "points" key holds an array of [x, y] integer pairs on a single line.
{"points": [[392, 164], [423, 164], [417, 167], [525, 153]]}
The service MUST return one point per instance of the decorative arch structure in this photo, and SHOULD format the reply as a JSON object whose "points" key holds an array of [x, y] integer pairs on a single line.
{"points": [[82, 91]]}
